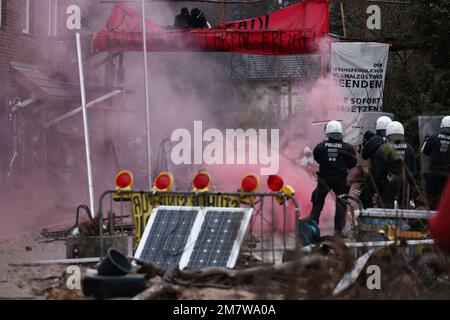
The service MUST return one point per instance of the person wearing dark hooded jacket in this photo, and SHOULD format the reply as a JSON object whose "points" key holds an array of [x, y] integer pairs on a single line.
{"points": [[394, 166], [335, 157], [199, 19], [183, 20], [437, 147], [370, 146]]}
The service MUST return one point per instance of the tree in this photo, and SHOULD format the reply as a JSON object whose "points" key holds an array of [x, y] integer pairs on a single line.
{"points": [[418, 80]]}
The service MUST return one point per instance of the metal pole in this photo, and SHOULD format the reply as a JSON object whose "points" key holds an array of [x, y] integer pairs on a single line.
{"points": [[147, 107], [85, 125]]}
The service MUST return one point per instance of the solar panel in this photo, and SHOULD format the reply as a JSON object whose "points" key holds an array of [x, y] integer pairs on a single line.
{"points": [[218, 238], [166, 235], [194, 237]]}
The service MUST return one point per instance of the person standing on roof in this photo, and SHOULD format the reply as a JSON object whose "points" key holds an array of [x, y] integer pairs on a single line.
{"points": [[394, 166], [437, 148], [199, 19], [183, 20], [335, 157], [371, 144]]}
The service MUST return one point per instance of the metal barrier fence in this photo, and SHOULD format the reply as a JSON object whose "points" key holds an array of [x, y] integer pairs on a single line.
{"points": [[261, 237]]}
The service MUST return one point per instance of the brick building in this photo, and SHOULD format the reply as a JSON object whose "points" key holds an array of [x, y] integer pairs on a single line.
{"points": [[39, 88], [23, 35]]}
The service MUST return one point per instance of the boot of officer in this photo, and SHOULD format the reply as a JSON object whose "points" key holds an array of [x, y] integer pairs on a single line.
{"points": [[371, 144], [437, 148], [335, 157], [394, 165]]}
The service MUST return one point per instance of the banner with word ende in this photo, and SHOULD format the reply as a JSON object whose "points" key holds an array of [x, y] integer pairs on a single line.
{"points": [[358, 73]]}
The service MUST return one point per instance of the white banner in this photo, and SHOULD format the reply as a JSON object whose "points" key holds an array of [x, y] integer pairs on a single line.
{"points": [[358, 71]]}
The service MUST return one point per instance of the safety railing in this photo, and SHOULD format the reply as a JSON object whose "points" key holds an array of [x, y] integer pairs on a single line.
{"points": [[267, 238]]}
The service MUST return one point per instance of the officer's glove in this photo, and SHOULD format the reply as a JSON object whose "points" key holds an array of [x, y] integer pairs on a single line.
{"points": [[413, 197], [367, 136]]}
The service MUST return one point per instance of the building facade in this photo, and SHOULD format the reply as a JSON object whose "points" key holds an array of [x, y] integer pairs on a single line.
{"points": [[39, 88]]}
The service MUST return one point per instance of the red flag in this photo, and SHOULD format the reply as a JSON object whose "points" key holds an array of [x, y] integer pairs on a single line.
{"points": [[440, 223], [297, 29]]}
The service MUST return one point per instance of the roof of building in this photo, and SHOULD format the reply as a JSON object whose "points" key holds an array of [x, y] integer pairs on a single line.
{"points": [[272, 68], [35, 81]]}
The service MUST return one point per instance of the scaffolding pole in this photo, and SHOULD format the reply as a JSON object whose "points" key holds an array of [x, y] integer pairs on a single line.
{"points": [[85, 125]]}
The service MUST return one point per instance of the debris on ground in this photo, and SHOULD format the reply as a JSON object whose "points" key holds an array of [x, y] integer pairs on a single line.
{"points": [[313, 275]]}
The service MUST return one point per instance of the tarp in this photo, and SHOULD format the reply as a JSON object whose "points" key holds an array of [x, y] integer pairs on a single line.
{"points": [[358, 70], [297, 29]]}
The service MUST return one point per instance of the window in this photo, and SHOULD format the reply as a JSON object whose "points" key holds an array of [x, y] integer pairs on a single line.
{"points": [[26, 16], [52, 17]]}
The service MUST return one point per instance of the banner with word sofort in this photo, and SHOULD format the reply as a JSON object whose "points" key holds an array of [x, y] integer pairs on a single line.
{"points": [[297, 29], [358, 72]]}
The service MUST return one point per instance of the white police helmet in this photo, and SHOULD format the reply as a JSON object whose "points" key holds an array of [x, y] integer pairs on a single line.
{"points": [[445, 123], [382, 123], [334, 130], [395, 130]]}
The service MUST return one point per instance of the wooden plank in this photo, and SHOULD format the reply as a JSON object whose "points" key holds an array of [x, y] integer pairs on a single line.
{"points": [[77, 110], [61, 261]]}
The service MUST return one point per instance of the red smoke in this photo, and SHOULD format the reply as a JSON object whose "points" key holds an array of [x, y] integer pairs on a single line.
{"points": [[183, 87]]}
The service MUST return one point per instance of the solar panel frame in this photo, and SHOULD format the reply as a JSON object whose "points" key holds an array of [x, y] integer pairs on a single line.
{"points": [[190, 242], [240, 237], [195, 230], [236, 242]]}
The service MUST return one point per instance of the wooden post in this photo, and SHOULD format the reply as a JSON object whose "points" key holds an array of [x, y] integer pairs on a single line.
{"points": [[109, 71], [280, 88], [222, 11], [343, 19], [289, 98], [121, 70]]}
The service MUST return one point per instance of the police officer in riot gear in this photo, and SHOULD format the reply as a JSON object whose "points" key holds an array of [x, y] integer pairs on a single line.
{"points": [[394, 165], [437, 148], [335, 157], [371, 144]]}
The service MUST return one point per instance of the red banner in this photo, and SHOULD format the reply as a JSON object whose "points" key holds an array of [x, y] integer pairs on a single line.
{"points": [[297, 29]]}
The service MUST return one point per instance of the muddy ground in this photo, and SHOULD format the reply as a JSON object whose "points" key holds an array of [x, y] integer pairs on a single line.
{"points": [[399, 280], [25, 215]]}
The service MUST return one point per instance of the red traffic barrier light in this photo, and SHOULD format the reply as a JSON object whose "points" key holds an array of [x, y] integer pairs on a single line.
{"points": [[275, 183], [124, 179], [249, 183]]}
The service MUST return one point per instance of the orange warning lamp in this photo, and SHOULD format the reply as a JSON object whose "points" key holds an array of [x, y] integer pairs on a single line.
{"points": [[163, 182], [249, 183], [276, 184], [201, 182], [124, 180]]}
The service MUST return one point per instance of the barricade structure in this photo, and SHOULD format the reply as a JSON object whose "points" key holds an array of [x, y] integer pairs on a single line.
{"points": [[265, 240]]}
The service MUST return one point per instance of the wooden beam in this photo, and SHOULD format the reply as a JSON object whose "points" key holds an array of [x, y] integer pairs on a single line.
{"points": [[222, 11], [343, 19], [77, 110], [211, 1], [61, 261], [390, 2]]}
